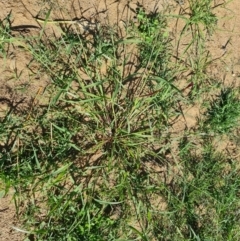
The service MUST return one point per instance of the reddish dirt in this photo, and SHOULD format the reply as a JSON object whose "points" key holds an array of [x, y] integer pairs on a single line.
{"points": [[18, 83], [8, 220]]}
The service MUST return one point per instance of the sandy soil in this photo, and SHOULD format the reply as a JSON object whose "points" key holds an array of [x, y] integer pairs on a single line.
{"points": [[8, 220], [18, 83]]}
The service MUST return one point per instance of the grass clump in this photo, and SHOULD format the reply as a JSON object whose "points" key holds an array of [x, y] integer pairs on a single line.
{"points": [[83, 153], [224, 112]]}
